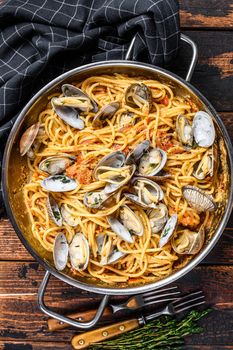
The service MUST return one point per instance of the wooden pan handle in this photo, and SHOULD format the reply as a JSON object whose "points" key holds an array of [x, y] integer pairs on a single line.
{"points": [[82, 341], [55, 325]]}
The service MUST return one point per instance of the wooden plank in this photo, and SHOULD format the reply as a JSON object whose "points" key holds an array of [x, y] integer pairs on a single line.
{"points": [[30, 345], [20, 318], [213, 75], [206, 14], [12, 249]]}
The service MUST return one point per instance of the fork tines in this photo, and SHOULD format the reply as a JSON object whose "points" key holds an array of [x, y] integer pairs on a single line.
{"points": [[167, 294], [188, 301]]}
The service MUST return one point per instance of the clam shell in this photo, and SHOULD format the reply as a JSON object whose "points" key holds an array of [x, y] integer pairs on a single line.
{"points": [[119, 229], [115, 257], [113, 160], [107, 112], [68, 218], [96, 199], [56, 164], [138, 94], [60, 252], [152, 162], [184, 131], [68, 114], [137, 153], [53, 210], [126, 119], [203, 129], [189, 242], [198, 199], [120, 180], [71, 90], [130, 220], [158, 217], [168, 230], [59, 183], [79, 252], [28, 138]]}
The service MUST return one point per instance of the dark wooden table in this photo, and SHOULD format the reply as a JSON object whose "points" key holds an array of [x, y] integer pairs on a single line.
{"points": [[23, 326]]}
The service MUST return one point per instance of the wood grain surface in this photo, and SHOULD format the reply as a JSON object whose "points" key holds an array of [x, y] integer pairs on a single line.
{"points": [[24, 327]]}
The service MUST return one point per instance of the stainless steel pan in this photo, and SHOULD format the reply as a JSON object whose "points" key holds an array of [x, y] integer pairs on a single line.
{"points": [[15, 172]]}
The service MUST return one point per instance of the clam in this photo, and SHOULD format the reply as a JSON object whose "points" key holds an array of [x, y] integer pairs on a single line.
{"points": [[114, 160], [79, 252], [115, 256], [108, 253], [28, 138], [138, 95], [147, 193], [54, 211], [115, 177], [120, 229], [60, 251], [206, 166], [203, 129], [96, 200], [126, 119], [152, 162], [198, 199], [75, 97], [134, 156], [56, 164], [168, 230], [188, 242], [184, 131], [68, 114], [107, 112], [158, 217], [59, 183], [68, 218]]}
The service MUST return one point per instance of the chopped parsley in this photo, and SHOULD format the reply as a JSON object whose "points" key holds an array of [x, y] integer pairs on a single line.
{"points": [[64, 179], [56, 214], [166, 231]]}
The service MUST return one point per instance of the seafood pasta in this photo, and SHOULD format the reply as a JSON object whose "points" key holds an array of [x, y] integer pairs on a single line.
{"points": [[126, 177]]}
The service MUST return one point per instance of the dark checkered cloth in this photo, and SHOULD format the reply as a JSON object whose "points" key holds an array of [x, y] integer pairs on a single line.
{"points": [[40, 39]]}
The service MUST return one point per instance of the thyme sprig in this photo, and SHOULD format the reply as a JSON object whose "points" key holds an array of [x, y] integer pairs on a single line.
{"points": [[161, 334]]}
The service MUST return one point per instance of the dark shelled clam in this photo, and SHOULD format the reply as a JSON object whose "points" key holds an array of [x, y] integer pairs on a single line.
{"points": [[68, 114], [137, 95], [53, 210], [107, 112], [75, 97]]}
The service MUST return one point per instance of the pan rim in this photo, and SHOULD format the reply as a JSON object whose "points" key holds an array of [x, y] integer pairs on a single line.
{"points": [[91, 287]]}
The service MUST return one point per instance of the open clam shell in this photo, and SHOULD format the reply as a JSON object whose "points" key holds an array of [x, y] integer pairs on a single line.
{"points": [[168, 230], [134, 156], [188, 242], [68, 114], [203, 129], [184, 131], [116, 180], [137, 95], [53, 210], [158, 217], [79, 252], [126, 119], [68, 218], [78, 99], [96, 199], [28, 138], [59, 183], [130, 220], [60, 251], [198, 199], [107, 112], [120, 229], [152, 162], [207, 165], [56, 164], [113, 160], [147, 193]]}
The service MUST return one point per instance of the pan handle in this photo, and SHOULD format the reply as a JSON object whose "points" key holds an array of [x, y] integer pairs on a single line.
{"points": [[184, 38], [61, 318]]}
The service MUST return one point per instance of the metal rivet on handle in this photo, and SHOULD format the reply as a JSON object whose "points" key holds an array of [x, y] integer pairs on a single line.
{"points": [[81, 342], [105, 334], [121, 328]]}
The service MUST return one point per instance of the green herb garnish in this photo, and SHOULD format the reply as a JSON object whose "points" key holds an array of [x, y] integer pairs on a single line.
{"points": [[160, 334], [56, 215], [166, 231], [64, 179]]}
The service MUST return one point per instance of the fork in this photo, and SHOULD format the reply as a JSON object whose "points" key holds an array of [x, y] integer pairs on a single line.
{"points": [[133, 303], [86, 339]]}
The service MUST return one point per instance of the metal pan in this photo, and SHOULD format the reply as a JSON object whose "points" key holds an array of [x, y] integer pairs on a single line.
{"points": [[14, 174]]}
